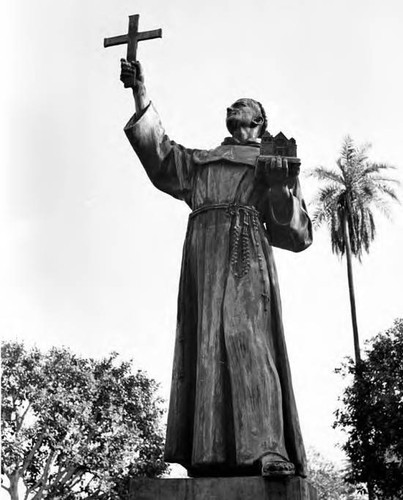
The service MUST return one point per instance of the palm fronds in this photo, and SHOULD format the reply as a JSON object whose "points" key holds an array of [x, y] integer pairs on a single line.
{"points": [[350, 193]]}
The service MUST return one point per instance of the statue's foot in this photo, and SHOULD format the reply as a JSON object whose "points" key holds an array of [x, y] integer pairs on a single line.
{"points": [[274, 465]]}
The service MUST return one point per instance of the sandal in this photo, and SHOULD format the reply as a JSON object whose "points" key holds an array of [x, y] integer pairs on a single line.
{"points": [[275, 465]]}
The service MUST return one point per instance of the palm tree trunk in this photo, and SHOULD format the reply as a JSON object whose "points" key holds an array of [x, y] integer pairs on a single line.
{"points": [[352, 293]]}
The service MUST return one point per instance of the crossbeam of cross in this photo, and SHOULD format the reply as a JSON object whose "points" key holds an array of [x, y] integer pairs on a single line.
{"points": [[132, 38]]}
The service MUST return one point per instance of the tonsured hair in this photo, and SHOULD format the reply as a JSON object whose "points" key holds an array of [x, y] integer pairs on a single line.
{"points": [[264, 116]]}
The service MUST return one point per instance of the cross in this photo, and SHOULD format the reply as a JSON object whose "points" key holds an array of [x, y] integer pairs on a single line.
{"points": [[132, 38]]}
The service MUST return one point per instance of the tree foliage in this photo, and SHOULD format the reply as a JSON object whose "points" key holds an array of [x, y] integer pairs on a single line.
{"points": [[328, 479], [372, 415], [349, 195], [76, 428]]}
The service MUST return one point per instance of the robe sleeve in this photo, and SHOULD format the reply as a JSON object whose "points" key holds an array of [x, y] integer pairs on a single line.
{"points": [[168, 165], [288, 227]]}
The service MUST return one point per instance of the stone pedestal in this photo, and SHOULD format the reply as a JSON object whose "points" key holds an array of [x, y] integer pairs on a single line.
{"points": [[222, 488]]}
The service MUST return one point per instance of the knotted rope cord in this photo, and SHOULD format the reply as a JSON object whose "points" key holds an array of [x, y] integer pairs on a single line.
{"points": [[256, 229]]}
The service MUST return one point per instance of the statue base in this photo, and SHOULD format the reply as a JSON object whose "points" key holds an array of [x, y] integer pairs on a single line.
{"points": [[222, 488]]}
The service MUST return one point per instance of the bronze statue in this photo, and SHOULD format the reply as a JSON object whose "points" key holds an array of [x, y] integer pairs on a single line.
{"points": [[232, 409]]}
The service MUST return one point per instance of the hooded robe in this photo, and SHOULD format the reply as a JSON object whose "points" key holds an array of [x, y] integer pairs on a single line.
{"points": [[231, 398]]}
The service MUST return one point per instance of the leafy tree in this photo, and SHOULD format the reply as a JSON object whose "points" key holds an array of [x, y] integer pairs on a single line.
{"points": [[345, 204], [372, 416], [328, 479], [76, 428]]}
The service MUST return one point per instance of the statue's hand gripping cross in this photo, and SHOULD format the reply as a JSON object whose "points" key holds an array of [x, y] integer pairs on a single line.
{"points": [[132, 38]]}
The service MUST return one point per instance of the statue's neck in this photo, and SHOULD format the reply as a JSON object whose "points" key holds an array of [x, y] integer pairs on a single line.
{"points": [[243, 135], [233, 141]]}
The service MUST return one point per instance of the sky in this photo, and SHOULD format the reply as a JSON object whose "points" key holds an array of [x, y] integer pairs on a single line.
{"points": [[91, 251]]}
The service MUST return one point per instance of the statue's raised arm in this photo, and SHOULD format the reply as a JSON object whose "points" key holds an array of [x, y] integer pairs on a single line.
{"points": [[168, 165]]}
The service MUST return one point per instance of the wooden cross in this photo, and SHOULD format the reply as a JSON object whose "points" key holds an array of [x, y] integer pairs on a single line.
{"points": [[132, 38]]}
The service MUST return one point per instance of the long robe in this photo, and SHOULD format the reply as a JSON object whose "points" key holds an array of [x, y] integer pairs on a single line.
{"points": [[231, 399]]}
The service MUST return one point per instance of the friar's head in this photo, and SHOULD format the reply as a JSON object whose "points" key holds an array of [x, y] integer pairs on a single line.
{"points": [[248, 116]]}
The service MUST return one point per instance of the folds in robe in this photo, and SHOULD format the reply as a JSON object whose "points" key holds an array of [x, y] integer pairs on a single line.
{"points": [[231, 399]]}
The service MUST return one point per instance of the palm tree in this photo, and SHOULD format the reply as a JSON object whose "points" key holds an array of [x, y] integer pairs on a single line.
{"points": [[345, 203]]}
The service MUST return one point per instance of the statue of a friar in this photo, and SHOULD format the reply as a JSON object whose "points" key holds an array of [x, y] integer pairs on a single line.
{"points": [[232, 409]]}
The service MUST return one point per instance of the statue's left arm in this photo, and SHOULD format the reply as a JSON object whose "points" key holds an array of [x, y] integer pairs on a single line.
{"points": [[168, 164], [287, 220]]}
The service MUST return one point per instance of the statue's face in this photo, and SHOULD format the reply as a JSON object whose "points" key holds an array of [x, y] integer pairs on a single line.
{"points": [[241, 114]]}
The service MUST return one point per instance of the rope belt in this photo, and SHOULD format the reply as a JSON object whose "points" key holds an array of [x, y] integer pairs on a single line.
{"points": [[231, 208]]}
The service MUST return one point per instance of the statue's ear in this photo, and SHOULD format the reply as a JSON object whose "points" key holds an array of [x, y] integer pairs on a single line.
{"points": [[258, 120]]}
